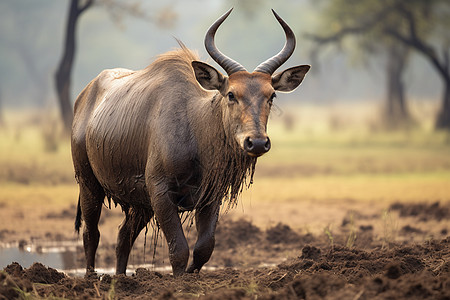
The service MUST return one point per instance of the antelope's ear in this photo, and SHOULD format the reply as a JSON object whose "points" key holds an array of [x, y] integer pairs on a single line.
{"points": [[208, 77], [289, 79]]}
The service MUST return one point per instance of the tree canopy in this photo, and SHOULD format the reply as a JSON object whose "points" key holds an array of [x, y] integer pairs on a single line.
{"points": [[420, 25]]}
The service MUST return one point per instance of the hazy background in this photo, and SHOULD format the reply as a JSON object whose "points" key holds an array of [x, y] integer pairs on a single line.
{"points": [[332, 152], [31, 40]]}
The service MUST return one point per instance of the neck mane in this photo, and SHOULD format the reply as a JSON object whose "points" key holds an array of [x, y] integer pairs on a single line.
{"points": [[225, 168]]}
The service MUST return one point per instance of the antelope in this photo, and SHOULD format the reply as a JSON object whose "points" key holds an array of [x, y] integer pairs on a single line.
{"points": [[176, 136]]}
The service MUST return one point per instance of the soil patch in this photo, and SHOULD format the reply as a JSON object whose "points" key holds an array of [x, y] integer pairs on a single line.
{"points": [[420, 271], [246, 257], [359, 259], [423, 211]]}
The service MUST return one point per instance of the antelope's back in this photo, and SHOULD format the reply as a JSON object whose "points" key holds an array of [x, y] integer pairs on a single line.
{"points": [[123, 118]]}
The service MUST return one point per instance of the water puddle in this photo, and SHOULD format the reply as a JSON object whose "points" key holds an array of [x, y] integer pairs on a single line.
{"points": [[57, 255], [62, 256]]}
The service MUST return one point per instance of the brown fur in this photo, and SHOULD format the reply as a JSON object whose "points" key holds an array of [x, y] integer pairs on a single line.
{"points": [[154, 131], [175, 136]]}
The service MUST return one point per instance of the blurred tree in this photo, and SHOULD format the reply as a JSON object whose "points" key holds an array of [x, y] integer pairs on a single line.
{"points": [[395, 27], [116, 9], [425, 21], [64, 71], [396, 113], [359, 20]]}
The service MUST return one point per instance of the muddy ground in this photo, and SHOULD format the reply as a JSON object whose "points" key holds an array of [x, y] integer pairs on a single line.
{"points": [[402, 252]]}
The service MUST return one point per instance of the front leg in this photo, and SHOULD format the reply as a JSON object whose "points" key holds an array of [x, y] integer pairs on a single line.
{"points": [[205, 221], [166, 214]]}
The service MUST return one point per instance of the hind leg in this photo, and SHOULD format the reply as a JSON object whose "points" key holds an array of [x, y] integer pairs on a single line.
{"points": [[128, 232], [91, 200]]}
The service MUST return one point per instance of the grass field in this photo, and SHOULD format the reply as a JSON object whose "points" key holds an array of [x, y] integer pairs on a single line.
{"points": [[319, 156]]}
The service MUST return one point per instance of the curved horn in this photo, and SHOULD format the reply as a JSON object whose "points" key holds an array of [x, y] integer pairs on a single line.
{"points": [[230, 66], [273, 63]]}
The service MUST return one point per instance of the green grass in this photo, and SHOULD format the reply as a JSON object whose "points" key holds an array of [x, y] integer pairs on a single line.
{"points": [[328, 233]]}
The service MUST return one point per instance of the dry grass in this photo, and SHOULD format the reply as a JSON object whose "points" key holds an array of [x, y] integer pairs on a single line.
{"points": [[335, 157]]}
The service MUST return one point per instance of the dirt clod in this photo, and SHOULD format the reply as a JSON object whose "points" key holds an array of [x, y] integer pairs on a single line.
{"points": [[310, 252], [38, 273], [423, 211], [282, 233], [230, 234]]}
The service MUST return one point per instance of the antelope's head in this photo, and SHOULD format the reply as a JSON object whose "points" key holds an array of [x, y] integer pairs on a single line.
{"points": [[248, 97]]}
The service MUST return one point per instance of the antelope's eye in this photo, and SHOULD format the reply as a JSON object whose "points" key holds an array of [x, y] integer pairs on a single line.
{"points": [[231, 97], [273, 96]]}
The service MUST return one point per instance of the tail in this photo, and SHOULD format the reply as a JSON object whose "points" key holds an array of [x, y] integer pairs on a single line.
{"points": [[78, 217]]}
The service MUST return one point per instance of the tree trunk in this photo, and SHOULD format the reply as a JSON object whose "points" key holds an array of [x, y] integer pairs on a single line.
{"points": [[443, 119], [64, 72], [396, 111]]}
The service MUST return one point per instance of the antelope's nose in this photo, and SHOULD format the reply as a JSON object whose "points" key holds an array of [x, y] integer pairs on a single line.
{"points": [[256, 146]]}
